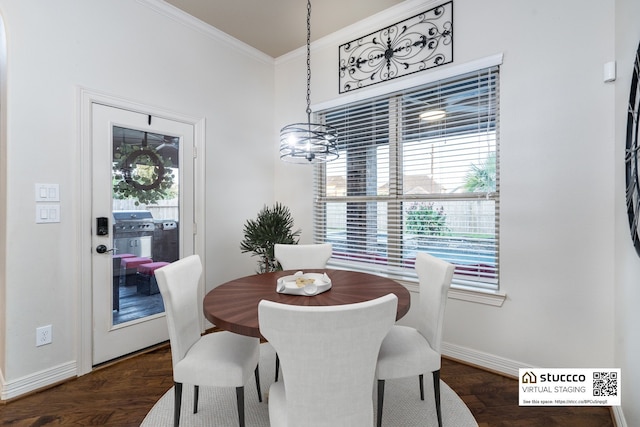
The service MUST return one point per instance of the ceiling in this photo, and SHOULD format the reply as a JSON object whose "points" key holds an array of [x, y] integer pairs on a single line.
{"points": [[276, 27]]}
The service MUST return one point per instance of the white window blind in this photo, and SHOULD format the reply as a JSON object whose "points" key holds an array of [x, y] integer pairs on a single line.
{"points": [[418, 171]]}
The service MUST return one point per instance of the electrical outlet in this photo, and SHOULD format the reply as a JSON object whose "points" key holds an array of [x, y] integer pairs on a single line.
{"points": [[43, 335]]}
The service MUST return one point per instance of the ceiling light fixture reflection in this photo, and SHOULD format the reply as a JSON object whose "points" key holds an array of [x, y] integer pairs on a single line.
{"points": [[433, 115]]}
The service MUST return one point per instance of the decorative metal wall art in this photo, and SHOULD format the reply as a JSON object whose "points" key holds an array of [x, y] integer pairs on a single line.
{"points": [[415, 44], [632, 154]]}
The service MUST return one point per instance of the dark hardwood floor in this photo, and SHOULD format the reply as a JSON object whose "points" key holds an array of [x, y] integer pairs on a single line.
{"points": [[120, 394], [493, 401]]}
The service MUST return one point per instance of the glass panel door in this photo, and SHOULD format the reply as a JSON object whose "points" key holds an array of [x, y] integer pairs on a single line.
{"points": [[146, 218], [142, 186]]}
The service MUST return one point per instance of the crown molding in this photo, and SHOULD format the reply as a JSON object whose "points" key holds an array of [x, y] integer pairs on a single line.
{"points": [[178, 15]]}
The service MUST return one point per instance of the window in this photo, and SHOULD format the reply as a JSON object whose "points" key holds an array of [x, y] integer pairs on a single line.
{"points": [[418, 171]]}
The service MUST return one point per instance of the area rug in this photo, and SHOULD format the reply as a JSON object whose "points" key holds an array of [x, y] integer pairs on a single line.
{"points": [[217, 406]]}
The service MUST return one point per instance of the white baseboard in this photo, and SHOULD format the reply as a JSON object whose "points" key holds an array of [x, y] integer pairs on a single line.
{"points": [[507, 367], [38, 380], [484, 360], [618, 417]]}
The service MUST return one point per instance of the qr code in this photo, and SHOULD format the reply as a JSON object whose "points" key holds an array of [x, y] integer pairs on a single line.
{"points": [[605, 384]]}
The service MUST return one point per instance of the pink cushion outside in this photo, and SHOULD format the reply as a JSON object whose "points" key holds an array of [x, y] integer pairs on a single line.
{"points": [[150, 268], [133, 262]]}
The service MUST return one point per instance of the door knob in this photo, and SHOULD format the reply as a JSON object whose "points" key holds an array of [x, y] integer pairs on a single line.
{"points": [[101, 249]]}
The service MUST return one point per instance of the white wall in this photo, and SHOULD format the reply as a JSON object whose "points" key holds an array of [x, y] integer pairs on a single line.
{"points": [[3, 189], [137, 52], [565, 251], [557, 222], [627, 263], [556, 182]]}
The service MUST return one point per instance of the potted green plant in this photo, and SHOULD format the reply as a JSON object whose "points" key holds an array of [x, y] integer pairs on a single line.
{"points": [[272, 225]]}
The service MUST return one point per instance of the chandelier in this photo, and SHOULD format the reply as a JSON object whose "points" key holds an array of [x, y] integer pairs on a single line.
{"points": [[308, 142]]}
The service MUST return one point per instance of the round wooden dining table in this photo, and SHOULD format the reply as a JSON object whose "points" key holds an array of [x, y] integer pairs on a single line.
{"points": [[233, 306]]}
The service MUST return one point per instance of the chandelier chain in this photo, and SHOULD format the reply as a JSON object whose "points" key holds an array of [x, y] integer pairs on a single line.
{"points": [[309, 60], [308, 142]]}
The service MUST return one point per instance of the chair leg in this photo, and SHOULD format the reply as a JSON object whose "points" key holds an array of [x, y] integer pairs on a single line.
{"points": [[257, 374], [421, 379], [177, 392], [277, 366], [196, 392], [240, 399], [436, 393], [380, 401]]}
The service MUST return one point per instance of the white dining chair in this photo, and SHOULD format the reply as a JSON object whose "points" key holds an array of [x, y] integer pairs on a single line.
{"points": [[328, 356], [300, 257], [408, 351], [220, 359]]}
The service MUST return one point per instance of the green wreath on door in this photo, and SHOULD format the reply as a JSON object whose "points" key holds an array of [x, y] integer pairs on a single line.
{"points": [[142, 174]]}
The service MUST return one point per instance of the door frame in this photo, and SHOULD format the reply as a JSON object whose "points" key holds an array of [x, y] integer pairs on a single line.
{"points": [[85, 99]]}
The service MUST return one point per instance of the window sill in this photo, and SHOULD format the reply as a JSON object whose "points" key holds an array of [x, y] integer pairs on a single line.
{"points": [[488, 297], [495, 299]]}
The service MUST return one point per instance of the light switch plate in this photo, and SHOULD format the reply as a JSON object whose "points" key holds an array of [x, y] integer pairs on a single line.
{"points": [[47, 192], [47, 213]]}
